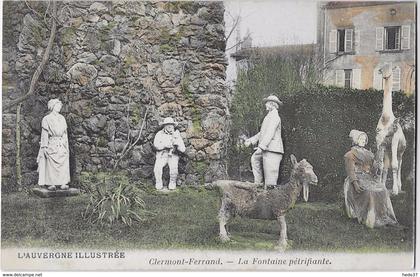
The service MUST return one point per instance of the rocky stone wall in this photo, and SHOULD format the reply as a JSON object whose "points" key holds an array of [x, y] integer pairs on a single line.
{"points": [[112, 61]]}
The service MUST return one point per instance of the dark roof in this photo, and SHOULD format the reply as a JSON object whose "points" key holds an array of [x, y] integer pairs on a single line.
{"points": [[350, 4], [277, 50]]}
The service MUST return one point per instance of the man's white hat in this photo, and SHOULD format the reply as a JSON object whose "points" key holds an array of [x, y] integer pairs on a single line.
{"points": [[168, 121], [274, 99]]}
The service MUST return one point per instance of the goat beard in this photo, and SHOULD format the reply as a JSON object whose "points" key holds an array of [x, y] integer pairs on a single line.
{"points": [[305, 192]]}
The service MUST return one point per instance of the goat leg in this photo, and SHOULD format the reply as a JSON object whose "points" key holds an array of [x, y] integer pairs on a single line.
{"points": [[224, 215], [282, 245]]}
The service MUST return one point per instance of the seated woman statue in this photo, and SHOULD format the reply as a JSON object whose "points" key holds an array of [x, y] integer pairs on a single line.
{"points": [[365, 197]]}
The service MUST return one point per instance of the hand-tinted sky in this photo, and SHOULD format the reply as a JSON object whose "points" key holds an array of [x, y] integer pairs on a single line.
{"points": [[272, 22]]}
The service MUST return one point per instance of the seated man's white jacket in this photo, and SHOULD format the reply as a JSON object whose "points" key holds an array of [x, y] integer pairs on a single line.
{"points": [[167, 141], [269, 137]]}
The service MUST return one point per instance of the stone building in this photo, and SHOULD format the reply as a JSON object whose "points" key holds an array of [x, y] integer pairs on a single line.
{"points": [[110, 61], [357, 38]]}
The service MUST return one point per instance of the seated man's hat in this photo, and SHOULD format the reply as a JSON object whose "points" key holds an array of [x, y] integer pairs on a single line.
{"points": [[168, 121], [274, 99]]}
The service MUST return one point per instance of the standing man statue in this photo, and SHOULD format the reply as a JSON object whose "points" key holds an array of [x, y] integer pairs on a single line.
{"points": [[266, 159], [168, 143]]}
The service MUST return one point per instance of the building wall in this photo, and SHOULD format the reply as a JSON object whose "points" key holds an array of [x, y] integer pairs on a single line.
{"points": [[364, 21], [110, 61]]}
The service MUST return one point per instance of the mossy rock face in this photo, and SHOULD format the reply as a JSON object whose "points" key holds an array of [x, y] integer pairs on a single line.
{"points": [[189, 7], [129, 60], [135, 115], [68, 35], [195, 108], [106, 55], [165, 48], [171, 37], [32, 36], [54, 73], [101, 142], [197, 122], [172, 7], [200, 168]]}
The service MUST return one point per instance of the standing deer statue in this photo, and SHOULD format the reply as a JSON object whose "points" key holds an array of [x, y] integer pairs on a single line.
{"points": [[390, 139], [246, 200]]}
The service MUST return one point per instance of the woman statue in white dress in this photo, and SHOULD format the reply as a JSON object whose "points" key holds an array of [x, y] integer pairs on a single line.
{"points": [[53, 157]]}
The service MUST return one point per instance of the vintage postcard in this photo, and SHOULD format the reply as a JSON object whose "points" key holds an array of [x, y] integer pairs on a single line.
{"points": [[208, 136]]}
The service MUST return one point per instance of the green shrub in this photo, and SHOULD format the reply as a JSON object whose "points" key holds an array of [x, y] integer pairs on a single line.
{"points": [[113, 198]]}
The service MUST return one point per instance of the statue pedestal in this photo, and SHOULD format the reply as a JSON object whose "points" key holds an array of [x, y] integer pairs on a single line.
{"points": [[45, 193]]}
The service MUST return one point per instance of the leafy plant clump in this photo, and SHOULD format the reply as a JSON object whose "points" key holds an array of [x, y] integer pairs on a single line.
{"points": [[113, 198]]}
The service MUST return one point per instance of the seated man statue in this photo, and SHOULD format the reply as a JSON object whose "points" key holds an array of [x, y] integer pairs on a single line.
{"points": [[266, 159], [365, 197], [168, 143]]}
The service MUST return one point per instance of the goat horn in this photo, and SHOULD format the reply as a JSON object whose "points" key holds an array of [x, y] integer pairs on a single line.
{"points": [[306, 192]]}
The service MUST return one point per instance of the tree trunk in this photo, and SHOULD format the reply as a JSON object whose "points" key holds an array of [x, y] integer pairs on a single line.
{"points": [[18, 155]]}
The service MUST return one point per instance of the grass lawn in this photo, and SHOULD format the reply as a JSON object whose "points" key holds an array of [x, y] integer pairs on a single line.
{"points": [[188, 219]]}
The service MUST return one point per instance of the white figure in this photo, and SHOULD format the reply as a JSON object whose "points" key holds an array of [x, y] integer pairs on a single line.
{"points": [[390, 139], [167, 142], [53, 156], [365, 197], [267, 158]]}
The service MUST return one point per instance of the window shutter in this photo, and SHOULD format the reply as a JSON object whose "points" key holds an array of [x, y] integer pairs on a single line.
{"points": [[398, 39], [357, 41], [348, 38], [333, 41], [377, 79], [379, 39], [339, 78], [405, 37], [396, 79], [356, 82]]}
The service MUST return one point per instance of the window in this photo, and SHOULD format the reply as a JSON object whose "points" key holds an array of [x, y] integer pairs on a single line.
{"points": [[348, 78], [395, 78], [377, 79], [341, 41], [393, 38]]}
